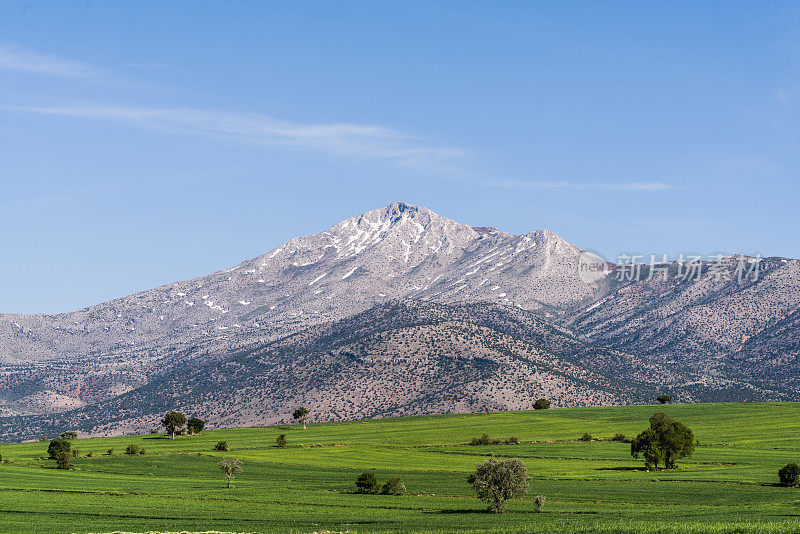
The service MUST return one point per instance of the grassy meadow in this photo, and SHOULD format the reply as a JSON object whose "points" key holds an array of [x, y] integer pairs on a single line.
{"points": [[728, 485]]}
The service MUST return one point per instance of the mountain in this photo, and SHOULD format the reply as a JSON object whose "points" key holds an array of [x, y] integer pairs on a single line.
{"points": [[402, 311]]}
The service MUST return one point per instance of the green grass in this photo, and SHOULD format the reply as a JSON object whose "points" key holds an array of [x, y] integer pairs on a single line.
{"points": [[729, 484]]}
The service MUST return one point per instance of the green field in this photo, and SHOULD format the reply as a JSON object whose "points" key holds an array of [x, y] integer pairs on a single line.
{"points": [[729, 484]]}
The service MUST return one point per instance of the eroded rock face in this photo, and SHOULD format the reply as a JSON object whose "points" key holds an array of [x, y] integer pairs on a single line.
{"points": [[713, 332]]}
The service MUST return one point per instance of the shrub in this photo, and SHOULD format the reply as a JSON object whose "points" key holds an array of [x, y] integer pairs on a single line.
{"points": [[63, 460], [154, 431], [541, 404], [57, 446], [586, 437], [394, 486], [76, 453], [90, 454], [281, 441], [221, 446], [69, 434], [539, 501], [42, 439], [495, 481], [195, 425], [619, 437], [110, 451], [789, 475], [134, 448], [367, 483], [664, 399], [513, 440]]}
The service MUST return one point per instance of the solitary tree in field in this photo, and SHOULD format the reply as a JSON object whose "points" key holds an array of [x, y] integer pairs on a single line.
{"points": [[667, 440], [57, 446], [541, 404], [301, 414], [665, 399], [69, 434], [789, 475], [195, 425], [173, 421], [280, 441], [230, 466], [497, 480]]}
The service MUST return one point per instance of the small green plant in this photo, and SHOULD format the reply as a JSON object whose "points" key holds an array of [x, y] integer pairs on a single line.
{"points": [[133, 449], [789, 475], [393, 486], [221, 446], [539, 501], [281, 441], [90, 454], [367, 483], [586, 437], [619, 437], [110, 451]]}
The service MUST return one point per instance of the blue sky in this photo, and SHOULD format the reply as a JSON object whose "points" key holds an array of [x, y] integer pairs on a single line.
{"points": [[143, 143]]}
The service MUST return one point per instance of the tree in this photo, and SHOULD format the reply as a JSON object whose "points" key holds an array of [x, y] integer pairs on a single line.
{"points": [[367, 483], [789, 475], [173, 421], [281, 441], [230, 467], [394, 486], [667, 440], [539, 501], [195, 425], [69, 434], [665, 399], [221, 446], [63, 460], [301, 414], [57, 446], [541, 404], [497, 480]]}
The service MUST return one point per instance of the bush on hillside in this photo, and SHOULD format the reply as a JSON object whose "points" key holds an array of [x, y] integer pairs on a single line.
{"points": [[665, 399], [586, 437], [541, 404], [394, 486], [789, 475], [539, 501], [619, 437], [134, 448], [367, 483], [221, 446], [280, 441]]}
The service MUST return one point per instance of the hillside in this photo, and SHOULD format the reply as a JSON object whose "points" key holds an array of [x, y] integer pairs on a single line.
{"points": [[728, 484], [401, 311]]}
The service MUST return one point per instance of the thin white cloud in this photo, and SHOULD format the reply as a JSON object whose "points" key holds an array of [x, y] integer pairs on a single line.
{"points": [[337, 139], [16, 58], [577, 186]]}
